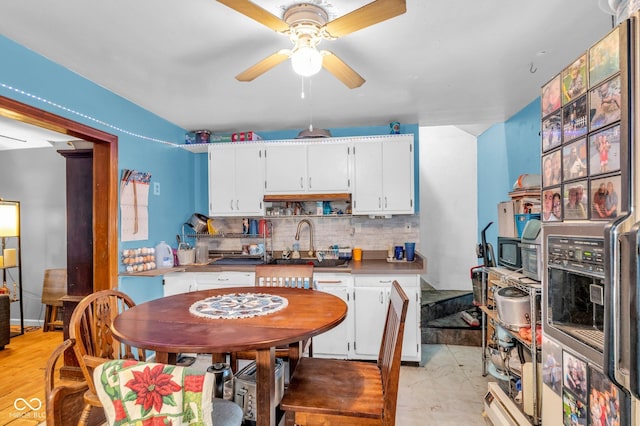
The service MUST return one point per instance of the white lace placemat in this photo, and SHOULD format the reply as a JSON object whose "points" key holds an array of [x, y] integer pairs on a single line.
{"points": [[238, 305]]}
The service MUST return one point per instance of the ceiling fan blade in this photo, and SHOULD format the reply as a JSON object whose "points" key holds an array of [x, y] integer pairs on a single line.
{"points": [[257, 13], [264, 65], [367, 15], [341, 70]]}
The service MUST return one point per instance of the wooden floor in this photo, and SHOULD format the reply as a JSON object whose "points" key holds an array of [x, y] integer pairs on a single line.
{"points": [[22, 364]]}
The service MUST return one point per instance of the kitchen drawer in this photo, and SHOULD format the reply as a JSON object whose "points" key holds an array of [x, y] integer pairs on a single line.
{"points": [[386, 280], [209, 280]]}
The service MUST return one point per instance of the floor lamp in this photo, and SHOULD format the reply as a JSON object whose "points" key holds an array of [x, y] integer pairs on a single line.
{"points": [[9, 227]]}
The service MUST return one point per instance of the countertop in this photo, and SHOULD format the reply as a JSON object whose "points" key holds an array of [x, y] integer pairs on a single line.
{"points": [[373, 262]]}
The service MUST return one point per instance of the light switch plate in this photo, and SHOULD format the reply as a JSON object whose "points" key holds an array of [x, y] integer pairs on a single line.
{"points": [[156, 188]]}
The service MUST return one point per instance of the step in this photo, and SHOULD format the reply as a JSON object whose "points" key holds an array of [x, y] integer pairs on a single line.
{"points": [[453, 329], [441, 303]]}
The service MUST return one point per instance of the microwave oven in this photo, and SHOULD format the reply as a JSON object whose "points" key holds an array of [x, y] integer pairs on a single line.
{"points": [[530, 250], [509, 255]]}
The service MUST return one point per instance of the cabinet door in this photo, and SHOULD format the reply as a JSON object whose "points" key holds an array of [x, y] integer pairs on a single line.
{"points": [[412, 334], [335, 342], [328, 167], [367, 193], [286, 168], [179, 282], [249, 179], [370, 308], [397, 176], [222, 171]]}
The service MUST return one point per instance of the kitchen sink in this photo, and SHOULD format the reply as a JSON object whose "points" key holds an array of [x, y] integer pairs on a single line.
{"points": [[326, 263]]}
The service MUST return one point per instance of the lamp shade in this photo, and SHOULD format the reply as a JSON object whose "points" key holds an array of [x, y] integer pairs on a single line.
{"points": [[306, 61], [9, 219]]}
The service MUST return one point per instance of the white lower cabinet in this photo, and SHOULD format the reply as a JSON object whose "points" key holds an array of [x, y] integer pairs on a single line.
{"points": [[211, 280], [179, 282], [370, 302], [336, 342]]}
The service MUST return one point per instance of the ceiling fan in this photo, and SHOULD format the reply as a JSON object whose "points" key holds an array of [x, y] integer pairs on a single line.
{"points": [[306, 24]]}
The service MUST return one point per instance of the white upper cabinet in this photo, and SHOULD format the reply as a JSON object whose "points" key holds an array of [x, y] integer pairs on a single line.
{"points": [[384, 176], [307, 167], [236, 176]]}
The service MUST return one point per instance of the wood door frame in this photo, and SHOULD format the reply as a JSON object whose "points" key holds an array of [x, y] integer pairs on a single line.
{"points": [[105, 183]]}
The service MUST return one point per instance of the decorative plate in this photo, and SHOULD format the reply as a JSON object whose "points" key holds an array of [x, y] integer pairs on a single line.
{"points": [[238, 305]]}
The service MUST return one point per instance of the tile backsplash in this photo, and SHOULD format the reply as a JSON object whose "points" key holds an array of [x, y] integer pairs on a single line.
{"points": [[360, 231]]}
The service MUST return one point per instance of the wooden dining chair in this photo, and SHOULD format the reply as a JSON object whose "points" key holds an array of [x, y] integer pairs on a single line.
{"points": [[341, 392], [54, 287], [296, 276], [64, 400], [90, 326]]}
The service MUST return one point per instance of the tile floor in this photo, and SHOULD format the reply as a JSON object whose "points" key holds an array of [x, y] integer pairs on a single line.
{"points": [[448, 388]]}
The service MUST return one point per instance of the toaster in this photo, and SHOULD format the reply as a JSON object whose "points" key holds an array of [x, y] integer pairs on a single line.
{"points": [[244, 388]]}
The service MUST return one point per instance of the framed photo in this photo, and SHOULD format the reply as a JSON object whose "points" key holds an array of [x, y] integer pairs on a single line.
{"points": [[552, 365], [574, 375], [552, 131], [604, 58], [605, 197], [604, 103], [576, 200], [574, 411], [574, 120], [604, 399], [550, 98], [574, 80], [604, 151], [552, 168], [551, 205], [574, 160]]}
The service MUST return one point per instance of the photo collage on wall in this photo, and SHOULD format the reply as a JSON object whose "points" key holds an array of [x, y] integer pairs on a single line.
{"points": [[581, 136], [588, 396]]}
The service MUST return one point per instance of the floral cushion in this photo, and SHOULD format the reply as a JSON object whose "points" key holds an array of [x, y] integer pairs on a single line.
{"points": [[145, 393]]}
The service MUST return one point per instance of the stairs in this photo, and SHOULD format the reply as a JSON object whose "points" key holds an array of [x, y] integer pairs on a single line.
{"points": [[442, 313]]}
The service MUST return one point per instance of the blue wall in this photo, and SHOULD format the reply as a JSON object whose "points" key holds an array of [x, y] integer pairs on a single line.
{"points": [[145, 143], [505, 151]]}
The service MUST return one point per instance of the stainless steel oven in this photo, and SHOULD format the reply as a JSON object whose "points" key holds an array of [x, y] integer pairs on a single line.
{"points": [[574, 306]]}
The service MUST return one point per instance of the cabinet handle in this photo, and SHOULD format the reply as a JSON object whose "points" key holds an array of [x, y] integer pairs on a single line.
{"points": [[385, 202], [301, 183], [231, 202], [379, 202], [237, 206], [381, 297], [309, 182], [385, 281], [329, 281]]}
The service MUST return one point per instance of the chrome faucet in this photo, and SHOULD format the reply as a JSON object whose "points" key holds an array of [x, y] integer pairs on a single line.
{"points": [[297, 237]]}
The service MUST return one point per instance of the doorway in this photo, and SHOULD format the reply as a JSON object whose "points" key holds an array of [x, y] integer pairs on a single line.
{"points": [[105, 177]]}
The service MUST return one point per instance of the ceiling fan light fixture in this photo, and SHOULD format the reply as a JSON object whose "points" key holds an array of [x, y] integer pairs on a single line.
{"points": [[306, 61]]}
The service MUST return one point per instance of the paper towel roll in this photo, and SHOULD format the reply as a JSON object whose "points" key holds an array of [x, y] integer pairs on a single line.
{"points": [[9, 257]]}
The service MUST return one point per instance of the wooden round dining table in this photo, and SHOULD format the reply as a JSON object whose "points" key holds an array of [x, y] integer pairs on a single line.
{"points": [[166, 326]]}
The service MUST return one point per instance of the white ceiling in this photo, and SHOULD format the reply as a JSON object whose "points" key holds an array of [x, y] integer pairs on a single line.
{"points": [[466, 63]]}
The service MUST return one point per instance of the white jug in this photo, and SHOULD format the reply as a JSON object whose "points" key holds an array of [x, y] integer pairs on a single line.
{"points": [[164, 256]]}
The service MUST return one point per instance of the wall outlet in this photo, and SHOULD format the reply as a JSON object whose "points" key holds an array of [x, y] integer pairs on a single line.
{"points": [[156, 188], [407, 226]]}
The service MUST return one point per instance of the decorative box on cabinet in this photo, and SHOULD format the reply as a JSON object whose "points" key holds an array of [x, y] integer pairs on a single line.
{"points": [[383, 176]]}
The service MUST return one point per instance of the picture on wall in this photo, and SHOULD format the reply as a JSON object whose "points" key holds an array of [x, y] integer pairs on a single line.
{"points": [[576, 200], [604, 58], [574, 411], [574, 80], [604, 400], [605, 198], [551, 168], [551, 205], [574, 119], [551, 131], [604, 151], [552, 365], [574, 160], [604, 103], [574, 373], [551, 100]]}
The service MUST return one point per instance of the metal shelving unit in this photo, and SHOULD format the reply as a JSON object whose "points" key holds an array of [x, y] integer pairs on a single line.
{"points": [[494, 278]]}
